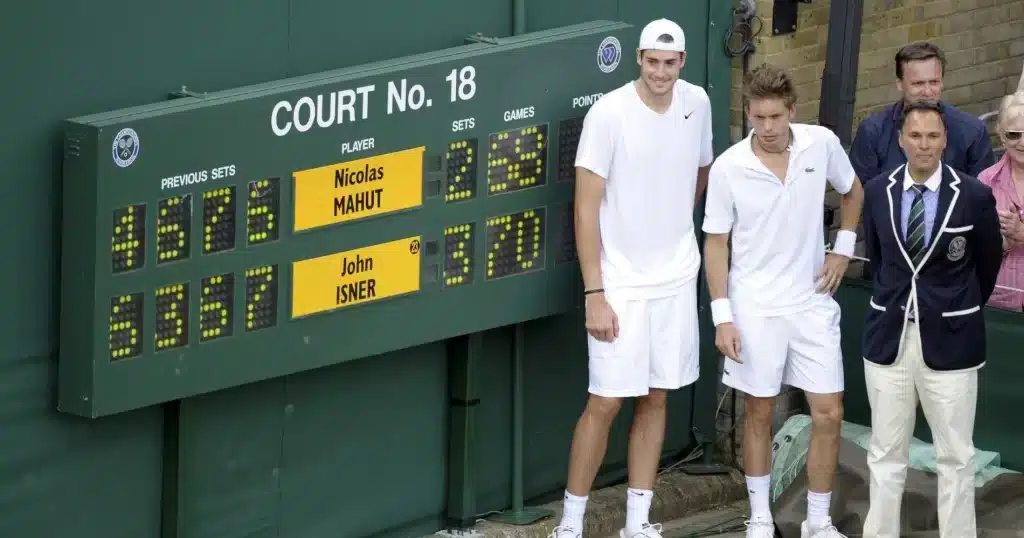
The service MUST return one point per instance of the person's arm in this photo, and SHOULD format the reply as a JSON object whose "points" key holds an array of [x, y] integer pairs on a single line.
{"points": [[589, 193], [719, 215], [863, 156], [987, 243], [840, 174], [979, 153], [707, 152], [594, 156], [716, 263]]}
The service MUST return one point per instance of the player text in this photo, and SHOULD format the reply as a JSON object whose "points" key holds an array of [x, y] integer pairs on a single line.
{"points": [[357, 146]]}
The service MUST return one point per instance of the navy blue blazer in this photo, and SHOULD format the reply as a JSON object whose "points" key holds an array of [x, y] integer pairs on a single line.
{"points": [[951, 284], [876, 148]]}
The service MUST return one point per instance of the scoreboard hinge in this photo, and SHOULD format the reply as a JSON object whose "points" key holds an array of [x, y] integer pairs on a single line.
{"points": [[480, 38], [185, 92]]}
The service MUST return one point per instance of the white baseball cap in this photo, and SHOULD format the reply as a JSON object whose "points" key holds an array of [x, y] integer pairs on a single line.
{"points": [[655, 29]]}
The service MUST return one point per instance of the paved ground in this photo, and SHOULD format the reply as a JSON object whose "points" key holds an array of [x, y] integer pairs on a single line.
{"points": [[724, 523], [676, 495]]}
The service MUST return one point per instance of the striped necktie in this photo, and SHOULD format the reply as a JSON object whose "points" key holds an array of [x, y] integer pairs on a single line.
{"points": [[915, 226]]}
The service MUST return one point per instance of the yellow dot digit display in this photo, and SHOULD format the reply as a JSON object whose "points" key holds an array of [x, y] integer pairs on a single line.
{"points": [[173, 229], [128, 239], [515, 243], [126, 315], [460, 182], [171, 316], [517, 159], [219, 220], [263, 215], [458, 255], [260, 298], [217, 307], [568, 141]]}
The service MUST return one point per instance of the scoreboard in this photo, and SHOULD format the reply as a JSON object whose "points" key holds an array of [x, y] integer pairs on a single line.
{"points": [[216, 240]]}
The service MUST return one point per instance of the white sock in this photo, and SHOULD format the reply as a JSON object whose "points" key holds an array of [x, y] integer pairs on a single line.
{"points": [[757, 487], [817, 509], [573, 508], [638, 508]]}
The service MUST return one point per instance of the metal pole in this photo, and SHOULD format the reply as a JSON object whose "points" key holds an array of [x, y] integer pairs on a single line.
{"points": [[518, 515]]}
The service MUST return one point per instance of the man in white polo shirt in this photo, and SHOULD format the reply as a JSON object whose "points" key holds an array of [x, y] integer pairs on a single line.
{"points": [[773, 309], [643, 158]]}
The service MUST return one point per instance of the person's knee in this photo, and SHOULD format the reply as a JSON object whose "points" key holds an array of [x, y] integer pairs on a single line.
{"points": [[758, 414], [655, 400], [603, 408], [827, 413]]}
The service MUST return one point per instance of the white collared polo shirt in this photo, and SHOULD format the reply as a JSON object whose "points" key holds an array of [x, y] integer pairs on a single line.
{"points": [[778, 236]]}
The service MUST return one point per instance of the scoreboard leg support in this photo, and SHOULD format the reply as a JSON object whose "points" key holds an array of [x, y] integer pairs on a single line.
{"points": [[518, 514], [463, 362]]}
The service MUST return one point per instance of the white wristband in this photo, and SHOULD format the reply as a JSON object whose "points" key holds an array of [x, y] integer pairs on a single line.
{"points": [[721, 312], [846, 242]]}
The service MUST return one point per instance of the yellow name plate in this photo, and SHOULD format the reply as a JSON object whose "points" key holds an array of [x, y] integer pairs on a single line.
{"points": [[358, 189], [356, 276]]}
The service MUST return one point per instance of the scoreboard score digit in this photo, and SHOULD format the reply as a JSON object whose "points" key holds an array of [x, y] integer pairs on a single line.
{"points": [[339, 217]]}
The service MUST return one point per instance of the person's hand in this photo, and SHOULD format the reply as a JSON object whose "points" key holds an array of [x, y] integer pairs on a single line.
{"points": [[830, 276], [1011, 224], [602, 323], [727, 340]]}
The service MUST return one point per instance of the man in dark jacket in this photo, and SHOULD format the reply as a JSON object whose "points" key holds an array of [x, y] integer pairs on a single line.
{"points": [[932, 233], [919, 71]]}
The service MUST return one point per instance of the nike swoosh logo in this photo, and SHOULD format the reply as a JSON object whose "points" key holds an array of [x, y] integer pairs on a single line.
{"points": [[686, 117]]}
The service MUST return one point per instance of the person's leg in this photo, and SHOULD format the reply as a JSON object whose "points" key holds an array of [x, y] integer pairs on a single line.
{"points": [[589, 443], [822, 456], [674, 344], [815, 365], [893, 401], [949, 401], [617, 370], [757, 454], [763, 345], [645, 441]]}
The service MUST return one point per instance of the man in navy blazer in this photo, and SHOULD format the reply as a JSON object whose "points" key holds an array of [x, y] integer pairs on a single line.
{"points": [[919, 72], [932, 235]]}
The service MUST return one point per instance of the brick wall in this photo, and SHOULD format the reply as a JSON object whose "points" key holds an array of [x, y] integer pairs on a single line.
{"points": [[984, 45]]}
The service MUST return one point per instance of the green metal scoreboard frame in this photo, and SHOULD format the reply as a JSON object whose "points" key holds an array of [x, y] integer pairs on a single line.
{"points": [[216, 240]]}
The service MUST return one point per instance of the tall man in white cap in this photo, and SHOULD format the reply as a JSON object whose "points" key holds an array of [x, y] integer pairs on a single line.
{"points": [[643, 158]]}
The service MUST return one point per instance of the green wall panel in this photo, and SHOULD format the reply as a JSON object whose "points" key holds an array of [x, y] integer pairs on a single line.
{"points": [[230, 480], [327, 34], [364, 447], [545, 14]]}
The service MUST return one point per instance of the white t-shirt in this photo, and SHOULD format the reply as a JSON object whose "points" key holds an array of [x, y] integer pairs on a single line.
{"points": [[649, 162], [778, 235]]}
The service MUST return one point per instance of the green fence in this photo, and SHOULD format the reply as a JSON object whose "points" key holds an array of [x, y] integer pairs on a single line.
{"points": [[364, 448], [999, 393]]}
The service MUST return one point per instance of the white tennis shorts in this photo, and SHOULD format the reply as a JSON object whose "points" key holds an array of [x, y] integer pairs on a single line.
{"points": [[801, 350], [657, 346]]}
